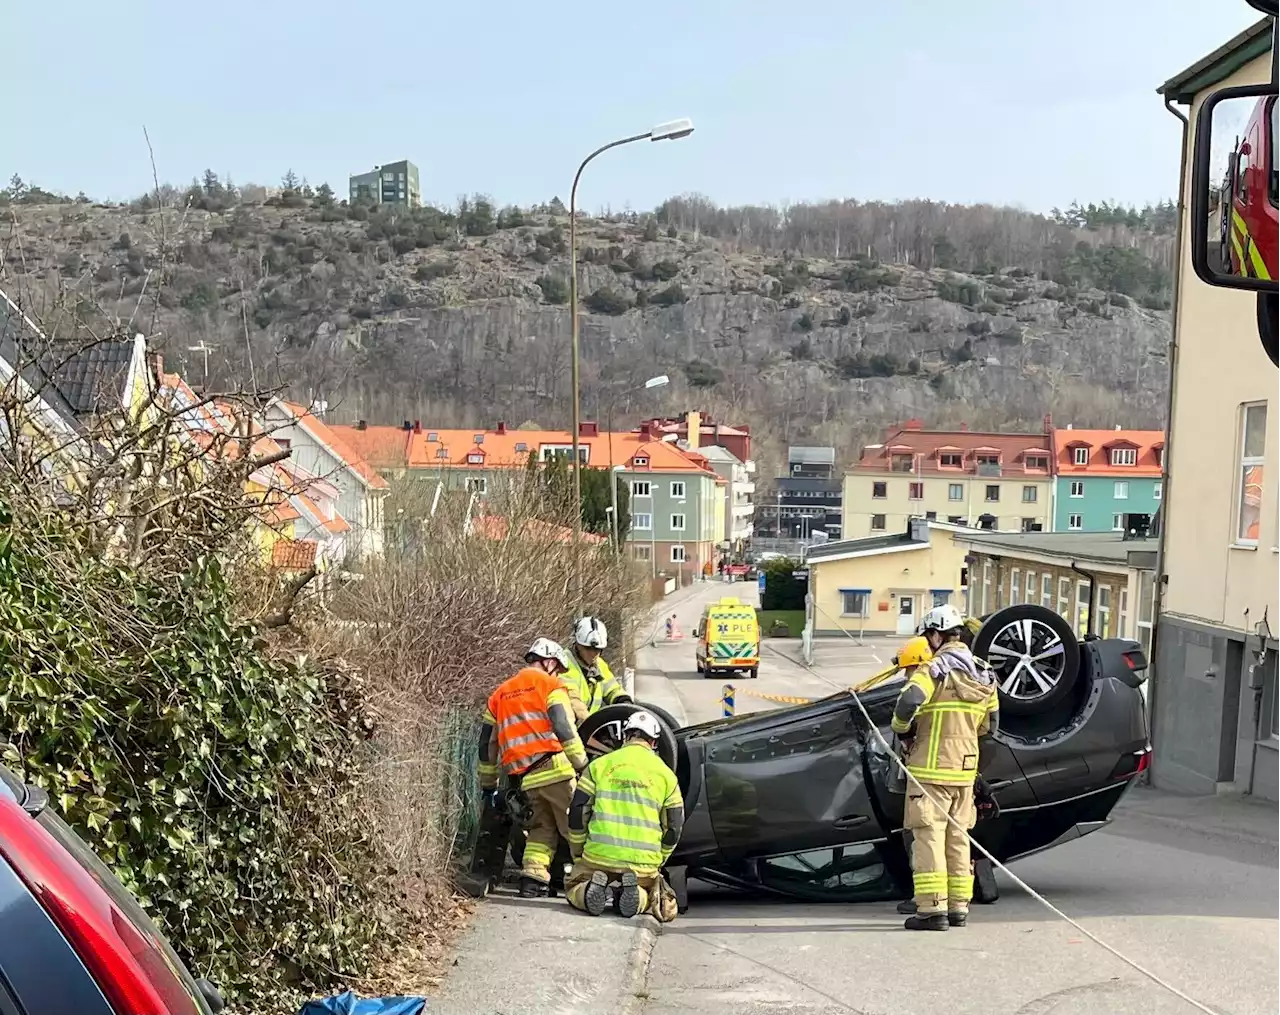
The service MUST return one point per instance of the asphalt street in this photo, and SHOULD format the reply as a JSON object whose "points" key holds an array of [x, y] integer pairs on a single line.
{"points": [[1187, 888]]}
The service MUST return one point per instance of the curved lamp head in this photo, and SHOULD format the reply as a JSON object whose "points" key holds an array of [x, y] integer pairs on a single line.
{"points": [[657, 382], [673, 130]]}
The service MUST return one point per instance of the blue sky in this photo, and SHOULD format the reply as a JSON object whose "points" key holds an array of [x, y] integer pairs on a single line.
{"points": [[1025, 102]]}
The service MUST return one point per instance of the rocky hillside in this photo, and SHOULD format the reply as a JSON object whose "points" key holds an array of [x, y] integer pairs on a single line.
{"points": [[461, 317]]}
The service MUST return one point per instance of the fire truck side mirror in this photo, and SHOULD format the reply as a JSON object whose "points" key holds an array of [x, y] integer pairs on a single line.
{"points": [[1233, 189]]}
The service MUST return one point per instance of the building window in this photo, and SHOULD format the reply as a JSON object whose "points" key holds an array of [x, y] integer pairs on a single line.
{"points": [[950, 460], [640, 488], [677, 490], [903, 463], [1075, 522], [389, 177], [1046, 591], [853, 602], [993, 493], [1104, 611], [877, 523], [941, 597], [677, 555], [1064, 598], [955, 491], [1081, 619], [478, 484], [442, 452], [1015, 587], [642, 521], [677, 523], [879, 490], [1029, 525], [915, 491], [956, 519], [640, 461], [642, 551], [986, 587], [1124, 456], [1080, 456], [1030, 494], [1157, 491], [1160, 457], [1077, 488], [1037, 462], [1122, 490], [521, 446], [1146, 606], [1253, 442], [1117, 523], [1122, 630], [931, 516], [987, 459], [475, 459], [1031, 587]]}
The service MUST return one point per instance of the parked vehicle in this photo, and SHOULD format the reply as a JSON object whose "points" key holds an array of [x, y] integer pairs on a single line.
{"points": [[72, 939], [728, 638], [797, 801], [1250, 201]]}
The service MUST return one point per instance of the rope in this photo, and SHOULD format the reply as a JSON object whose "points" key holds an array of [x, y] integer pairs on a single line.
{"points": [[1131, 963]]}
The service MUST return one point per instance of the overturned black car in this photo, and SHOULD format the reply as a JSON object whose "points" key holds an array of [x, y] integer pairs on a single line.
{"points": [[797, 801]]}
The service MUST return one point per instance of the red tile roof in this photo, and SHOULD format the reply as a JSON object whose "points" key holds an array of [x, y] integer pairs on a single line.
{"points": [[1015, 452], [337, 444], [1099, 443], [294, 554]]}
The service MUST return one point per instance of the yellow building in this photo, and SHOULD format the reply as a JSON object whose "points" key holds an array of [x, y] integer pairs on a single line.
{"points": [[999, 481], [885, 584]]}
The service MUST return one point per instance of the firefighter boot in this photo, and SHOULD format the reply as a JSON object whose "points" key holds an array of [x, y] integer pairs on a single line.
{"points": [[908, 907], [532, 888], [596, 897], [930, 921], [628, 898], [957, 918]]}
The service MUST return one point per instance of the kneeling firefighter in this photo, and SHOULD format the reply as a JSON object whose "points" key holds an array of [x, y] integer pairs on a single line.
{"points": [[625, 820], [588, 675], [528, 730], [947, 708]]}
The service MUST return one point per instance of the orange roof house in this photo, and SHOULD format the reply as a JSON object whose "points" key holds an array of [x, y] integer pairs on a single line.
{"points": [[1108, 452]]}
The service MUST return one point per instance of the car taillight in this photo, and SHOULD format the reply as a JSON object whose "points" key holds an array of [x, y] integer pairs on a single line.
{"points": [[1135, 659], [1132, 764], [129, 967]]}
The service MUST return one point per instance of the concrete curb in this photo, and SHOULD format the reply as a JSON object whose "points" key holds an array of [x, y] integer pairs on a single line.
{"points": [[636, 974]]}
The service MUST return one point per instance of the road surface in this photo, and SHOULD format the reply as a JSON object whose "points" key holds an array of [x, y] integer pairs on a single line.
{"points": [[1187, 888]]}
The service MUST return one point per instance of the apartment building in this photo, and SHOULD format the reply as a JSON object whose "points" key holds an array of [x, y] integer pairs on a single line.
{"points": [[1104, 475], [739, 496], [1214, 695], [807, 499], [396, 183], [677, 501], [986, 480]]}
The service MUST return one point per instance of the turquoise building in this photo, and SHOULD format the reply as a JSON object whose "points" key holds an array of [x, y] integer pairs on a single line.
{"points": [[1103, 475]]}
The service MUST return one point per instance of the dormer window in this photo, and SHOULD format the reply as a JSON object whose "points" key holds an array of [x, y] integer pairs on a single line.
{"points": [[950, 460], [442, 452], [903, 463], [521, 446], [479, 438], [1037, 462], [475, 459], [1124, 456], [1160, 456], [640, 461], [433, 437], [986, 458], [1080, 456]]}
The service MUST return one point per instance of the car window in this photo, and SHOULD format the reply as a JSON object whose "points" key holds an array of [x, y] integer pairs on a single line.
{"points": [[850, 873], [11, 785]]}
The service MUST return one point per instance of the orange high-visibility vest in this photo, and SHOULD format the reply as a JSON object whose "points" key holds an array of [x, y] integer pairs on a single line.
{"points": [[519, 708]]}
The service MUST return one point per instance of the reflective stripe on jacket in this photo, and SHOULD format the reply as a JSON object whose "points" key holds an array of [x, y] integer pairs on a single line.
{"points": [[520, 710], [595, 689], [630, 790], [960, 695]]}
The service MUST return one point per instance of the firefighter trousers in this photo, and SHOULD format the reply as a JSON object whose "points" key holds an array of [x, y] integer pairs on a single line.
{"points": [[548, 825], [940, 870], [655, 898]]}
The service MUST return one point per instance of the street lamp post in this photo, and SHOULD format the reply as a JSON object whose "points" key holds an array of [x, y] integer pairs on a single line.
{"points": [[672, 131], [652, 382]]}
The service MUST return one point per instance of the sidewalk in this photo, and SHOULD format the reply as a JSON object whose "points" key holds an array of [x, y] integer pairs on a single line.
{"points": [[1227, 815]]}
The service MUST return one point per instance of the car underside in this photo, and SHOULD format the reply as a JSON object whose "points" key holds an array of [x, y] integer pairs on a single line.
{"points": [[805, 801]]}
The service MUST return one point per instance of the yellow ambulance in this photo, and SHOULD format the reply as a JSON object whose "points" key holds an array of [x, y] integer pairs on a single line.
{"points": [[728, 638]]}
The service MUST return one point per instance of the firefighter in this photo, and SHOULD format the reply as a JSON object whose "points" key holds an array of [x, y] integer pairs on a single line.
{"points": [[947, 707], [589, 676], [528, 731], [624, 822]]}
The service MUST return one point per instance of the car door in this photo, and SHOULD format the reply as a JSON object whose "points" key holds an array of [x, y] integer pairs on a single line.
{"points": [[789, 780]]}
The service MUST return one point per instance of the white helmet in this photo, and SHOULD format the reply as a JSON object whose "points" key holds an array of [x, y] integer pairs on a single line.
{"points": [[545, 648], [941, 618], [590, 632], [645, 723]]}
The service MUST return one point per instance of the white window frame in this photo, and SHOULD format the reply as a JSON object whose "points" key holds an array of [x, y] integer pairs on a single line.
{"points": [[1120, 491], [884, 485], [1104, 611], [1124, 456], [1046, 591], [1077, 488], [1247, 462], [1015, 586], [1157, 490], [1080, 456], [915, 490], [1117, 522], [1146, 602], [1031, 494], [478, 484], [857, 595], [1064, 598], [1075, 523], [956, 463], [677, 489], [678, 554], [1031, 588], [680, 527], [642, 551], [883, 523], [641, 488], [955, 492], [1122, 629], [642, 522], [1081, 603], [986, 494]]}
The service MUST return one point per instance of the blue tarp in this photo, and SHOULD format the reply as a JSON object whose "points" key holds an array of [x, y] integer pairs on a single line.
{"points": [[349, 1004]]}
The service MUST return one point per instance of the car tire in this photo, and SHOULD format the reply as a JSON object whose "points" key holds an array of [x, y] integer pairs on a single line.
{"points": [[1001, 640], [708, 673], [754, 672], [618, 713], [662, 714]]}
